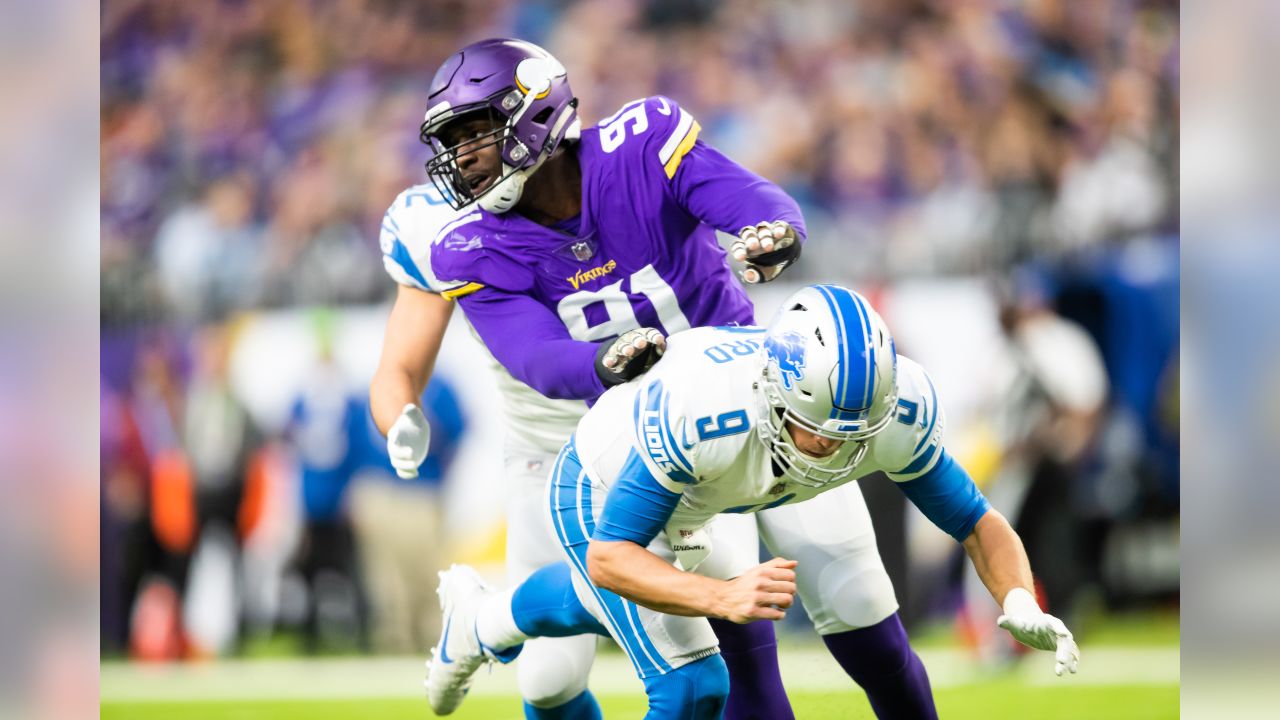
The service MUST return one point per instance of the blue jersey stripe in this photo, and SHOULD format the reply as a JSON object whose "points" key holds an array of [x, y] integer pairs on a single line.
{"points": [[933, 415], [676, 465], [918, 464], [672, 446], [401, 255]]}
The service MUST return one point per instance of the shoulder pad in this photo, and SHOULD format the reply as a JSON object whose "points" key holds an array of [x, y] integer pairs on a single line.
{"points": [[662, 132], [909, 446], [663, 436], [409, 227]]}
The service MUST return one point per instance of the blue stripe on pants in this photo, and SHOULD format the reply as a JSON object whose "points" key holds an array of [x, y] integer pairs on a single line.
{"points": [[571, 514]]}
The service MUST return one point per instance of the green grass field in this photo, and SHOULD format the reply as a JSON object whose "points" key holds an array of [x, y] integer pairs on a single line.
{"points": [[989, 702], [1130, 669]]}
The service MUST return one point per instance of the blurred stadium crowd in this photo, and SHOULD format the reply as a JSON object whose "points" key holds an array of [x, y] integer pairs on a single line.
{"points": [[250, 147]]}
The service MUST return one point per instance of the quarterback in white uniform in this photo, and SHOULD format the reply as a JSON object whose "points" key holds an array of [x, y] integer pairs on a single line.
{"points": [[735, 420]]}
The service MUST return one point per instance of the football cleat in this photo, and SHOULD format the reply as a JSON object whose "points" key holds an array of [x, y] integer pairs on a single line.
{"points": [[459, 654]]}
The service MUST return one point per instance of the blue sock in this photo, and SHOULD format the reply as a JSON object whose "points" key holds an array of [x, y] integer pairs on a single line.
{"points": [[696, 691], [880, 659], [755, 684], [545, 605], [582, 707]]}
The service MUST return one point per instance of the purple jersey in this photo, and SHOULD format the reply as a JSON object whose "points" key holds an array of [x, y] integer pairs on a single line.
{"points": [[643, 254]]}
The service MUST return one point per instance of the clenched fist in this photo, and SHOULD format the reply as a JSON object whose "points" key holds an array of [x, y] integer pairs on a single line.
{"points": [[407, 441], [762, 593]]}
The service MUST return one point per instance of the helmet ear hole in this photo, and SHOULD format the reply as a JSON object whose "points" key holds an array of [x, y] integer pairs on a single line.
{"points": [[543, 116]]}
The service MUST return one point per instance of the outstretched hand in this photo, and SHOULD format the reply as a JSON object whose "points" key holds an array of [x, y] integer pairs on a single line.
{"points": [[1032, 627]]}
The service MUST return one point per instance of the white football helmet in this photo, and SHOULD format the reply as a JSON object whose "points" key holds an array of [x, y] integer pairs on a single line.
{"points": [[829, 367]]}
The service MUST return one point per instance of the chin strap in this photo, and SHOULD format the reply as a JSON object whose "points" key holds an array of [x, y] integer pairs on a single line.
{"points": [[505, 194]]}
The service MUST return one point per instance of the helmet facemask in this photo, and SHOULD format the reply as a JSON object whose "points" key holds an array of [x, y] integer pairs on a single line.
{"points": [[795, 463], [444, 169]]}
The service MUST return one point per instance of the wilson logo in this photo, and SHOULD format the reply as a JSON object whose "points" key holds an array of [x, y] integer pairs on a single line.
{"points": [[581, 277]]}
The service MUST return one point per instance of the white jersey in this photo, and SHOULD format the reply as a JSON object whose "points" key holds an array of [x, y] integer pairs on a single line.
{"points": [[412, 223], [692, 419]]}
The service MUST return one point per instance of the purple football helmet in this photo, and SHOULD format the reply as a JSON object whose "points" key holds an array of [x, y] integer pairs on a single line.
{"points": [[517, 83]]}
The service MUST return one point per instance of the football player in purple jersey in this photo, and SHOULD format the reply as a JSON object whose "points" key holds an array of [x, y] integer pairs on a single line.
{"points": [[573, 254]]}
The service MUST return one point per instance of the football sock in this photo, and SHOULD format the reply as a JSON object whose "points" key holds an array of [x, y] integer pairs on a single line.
{"points": [[880, 659], [755, 688], [582, 707], [544, 605], [495, 624]]}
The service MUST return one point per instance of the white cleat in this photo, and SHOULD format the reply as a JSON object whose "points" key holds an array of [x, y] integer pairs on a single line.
{"points": [[458, 655]]}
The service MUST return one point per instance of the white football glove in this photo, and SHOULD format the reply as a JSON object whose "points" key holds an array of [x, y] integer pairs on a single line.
{"points": [[1033, 627], [767, 248], [408, 440]]}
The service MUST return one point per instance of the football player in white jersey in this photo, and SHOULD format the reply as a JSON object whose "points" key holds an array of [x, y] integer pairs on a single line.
{"points": [[733, 420], [554, 673]]}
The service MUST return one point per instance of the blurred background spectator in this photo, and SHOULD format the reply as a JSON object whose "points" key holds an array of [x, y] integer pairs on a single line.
{"points": [[249, 150], [401, 530]]}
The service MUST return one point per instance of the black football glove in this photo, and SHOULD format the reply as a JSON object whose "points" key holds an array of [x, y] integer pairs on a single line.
{"points": [[767, 248], [629, 355]]}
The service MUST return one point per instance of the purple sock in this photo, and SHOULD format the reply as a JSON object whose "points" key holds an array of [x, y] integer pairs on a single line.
{"points": [[880, 659], [755, 685]]}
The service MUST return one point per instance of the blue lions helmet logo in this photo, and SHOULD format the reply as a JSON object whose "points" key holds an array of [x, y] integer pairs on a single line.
{"points": [[787, 350]]}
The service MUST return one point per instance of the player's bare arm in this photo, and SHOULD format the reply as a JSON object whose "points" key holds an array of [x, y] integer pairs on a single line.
{"points": [[1001, 562], [415, 330], [762, 593], [998, 556]]}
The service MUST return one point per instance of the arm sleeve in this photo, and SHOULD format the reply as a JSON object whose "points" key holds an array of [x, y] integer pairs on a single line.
{"points": [[948, 497], [638, 506], [533, 345], [727, 196]]}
